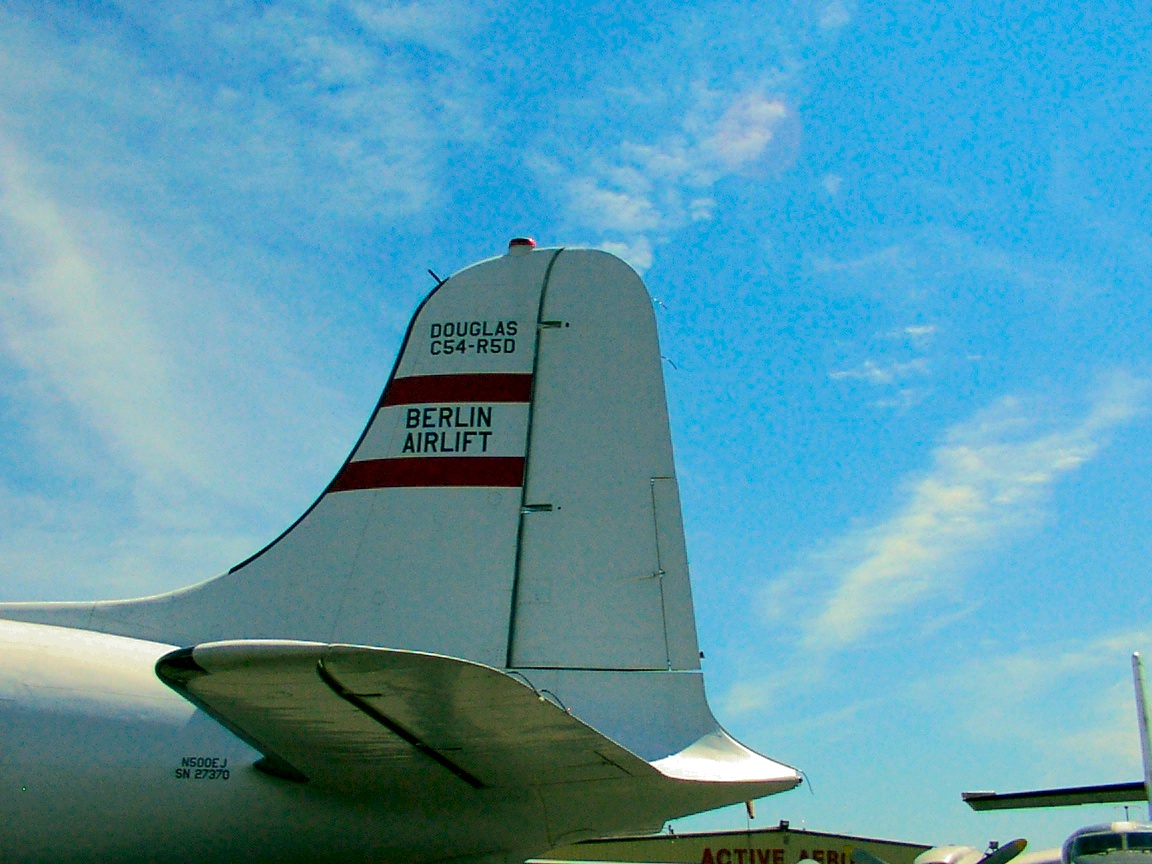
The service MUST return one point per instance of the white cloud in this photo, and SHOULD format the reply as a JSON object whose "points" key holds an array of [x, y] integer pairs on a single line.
{"points": [[1071, 706], [745, 131], [440, 26], [71, 323], [834, 16], [625, 209], [989, 480], [638, 253], [894, 380], [110, 410], [917, 331], [895, 257], [635, 195], [305, 114], [82, 545], [901, 382], [873, 373], [150, 453], [917, 335]]}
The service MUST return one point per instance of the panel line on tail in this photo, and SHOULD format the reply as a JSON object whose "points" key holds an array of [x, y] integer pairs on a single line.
{"points": [[660, 572]]}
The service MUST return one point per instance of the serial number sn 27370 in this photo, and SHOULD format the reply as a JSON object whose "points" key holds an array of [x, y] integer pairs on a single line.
{"points": [[203, 768]]}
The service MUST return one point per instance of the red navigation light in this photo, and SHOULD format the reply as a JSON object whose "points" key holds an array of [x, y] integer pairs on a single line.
{"points": [[521, 245]]}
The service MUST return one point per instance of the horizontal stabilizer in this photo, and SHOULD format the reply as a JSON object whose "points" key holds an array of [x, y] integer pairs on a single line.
{"points": [[719, 758], [1110, 793], [369, 719]]}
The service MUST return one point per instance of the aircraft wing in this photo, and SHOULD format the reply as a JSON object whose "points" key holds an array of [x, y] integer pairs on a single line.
{"points": [[1110, 793], [364, 718]]}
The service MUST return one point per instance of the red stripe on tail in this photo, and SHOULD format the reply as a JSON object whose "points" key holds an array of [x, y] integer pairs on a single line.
{"points": [[431, 471], [494, 387]]}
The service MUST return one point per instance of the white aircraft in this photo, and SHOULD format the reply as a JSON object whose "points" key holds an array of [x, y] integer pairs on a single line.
{"points": [[1111, 843], [997, 854], [478, 643], [1127, 842]]}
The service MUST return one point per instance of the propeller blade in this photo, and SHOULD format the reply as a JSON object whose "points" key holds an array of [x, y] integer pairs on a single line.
{"points": [[863, 856], [1005, 853]]}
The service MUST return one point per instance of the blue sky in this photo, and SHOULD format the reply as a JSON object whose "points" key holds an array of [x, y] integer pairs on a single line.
{"points": [[900, 252]]}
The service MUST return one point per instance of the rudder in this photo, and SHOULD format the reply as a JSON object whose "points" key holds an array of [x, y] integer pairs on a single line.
{"points": [[602, 579]]}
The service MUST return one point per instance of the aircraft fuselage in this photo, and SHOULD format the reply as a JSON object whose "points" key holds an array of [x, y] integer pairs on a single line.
{"points": [[100, 761]]}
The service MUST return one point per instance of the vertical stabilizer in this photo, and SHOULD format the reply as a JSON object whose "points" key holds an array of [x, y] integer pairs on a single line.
{"points": [[1142, 720], [512, 500], [513, 503]]}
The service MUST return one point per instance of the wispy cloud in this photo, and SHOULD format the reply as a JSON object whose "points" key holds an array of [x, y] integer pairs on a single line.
{"points": [[1071, 706], [990, 479], [145, 150], [1059, 711], [353, 107], [745, 132], [900, 373], [111, 414], [124, 359], [443, 26], [637, 194], [895, 257], [873, 373], [836, 14], [917, 335], [69, 321]]}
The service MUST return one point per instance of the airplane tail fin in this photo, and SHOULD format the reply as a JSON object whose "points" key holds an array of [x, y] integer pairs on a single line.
{"points": [[512, 502], [1108, 793], [1142, 720]]}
